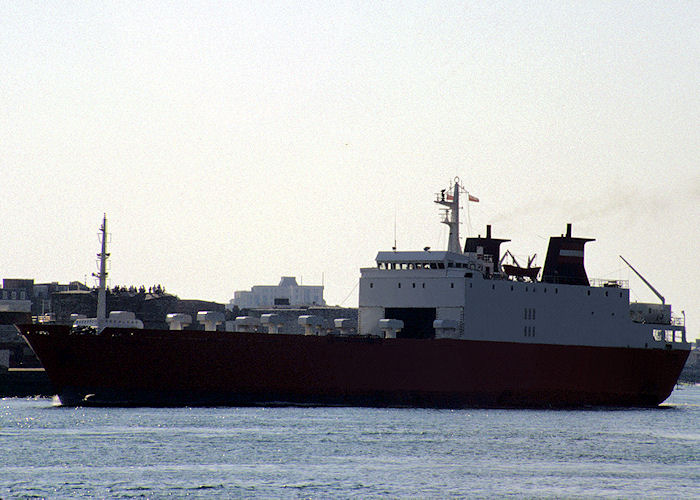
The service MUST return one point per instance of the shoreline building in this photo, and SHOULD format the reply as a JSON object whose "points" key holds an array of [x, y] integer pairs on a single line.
{"points": [[287, 293]]}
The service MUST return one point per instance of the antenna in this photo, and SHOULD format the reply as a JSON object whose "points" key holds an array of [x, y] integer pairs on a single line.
{"points": [[449, 198], [102, 276], [661, 297]]}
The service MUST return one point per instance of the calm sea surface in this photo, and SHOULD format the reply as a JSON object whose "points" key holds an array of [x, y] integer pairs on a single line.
{"points": [[49, 451]]}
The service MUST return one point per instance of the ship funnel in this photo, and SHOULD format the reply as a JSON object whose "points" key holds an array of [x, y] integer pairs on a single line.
{"points": [[491, 246], [564, 262]]}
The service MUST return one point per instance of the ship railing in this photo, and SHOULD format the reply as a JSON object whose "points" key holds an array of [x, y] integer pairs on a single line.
{"points": [[609, 283]]}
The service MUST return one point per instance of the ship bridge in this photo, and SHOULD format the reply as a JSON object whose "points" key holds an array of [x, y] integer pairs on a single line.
{"points": [[428, 259]]}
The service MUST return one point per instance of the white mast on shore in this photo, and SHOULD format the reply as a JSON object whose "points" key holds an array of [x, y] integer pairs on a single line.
{"points": [[102, 276], [451, 216]]}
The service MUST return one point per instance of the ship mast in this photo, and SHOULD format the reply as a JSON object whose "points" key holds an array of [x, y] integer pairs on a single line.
{"points": [[451, 216], [102, 276]]}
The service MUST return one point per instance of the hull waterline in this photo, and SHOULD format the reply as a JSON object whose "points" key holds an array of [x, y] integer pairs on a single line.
{"points": [[164, 368]]}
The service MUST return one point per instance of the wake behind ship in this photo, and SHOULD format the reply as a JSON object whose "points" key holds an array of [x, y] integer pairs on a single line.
{"points": [[454, 328]]}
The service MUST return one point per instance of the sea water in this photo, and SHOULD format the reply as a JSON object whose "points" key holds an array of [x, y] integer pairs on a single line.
{"points": [[290, 452]]}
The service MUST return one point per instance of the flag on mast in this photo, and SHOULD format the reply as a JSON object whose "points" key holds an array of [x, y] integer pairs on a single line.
{"points": [[473, 198]]}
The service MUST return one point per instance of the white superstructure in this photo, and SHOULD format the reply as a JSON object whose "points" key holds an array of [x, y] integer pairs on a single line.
{"points": [[467, 295]]}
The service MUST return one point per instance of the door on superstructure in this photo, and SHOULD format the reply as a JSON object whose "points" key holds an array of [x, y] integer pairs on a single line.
{"points": [[417, 321]]}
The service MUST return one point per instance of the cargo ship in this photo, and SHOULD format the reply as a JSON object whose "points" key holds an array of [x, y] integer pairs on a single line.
{"points": [[447, 328]]}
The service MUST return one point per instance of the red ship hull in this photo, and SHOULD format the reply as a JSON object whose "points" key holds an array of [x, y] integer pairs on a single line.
{"points": [[156, 368]]}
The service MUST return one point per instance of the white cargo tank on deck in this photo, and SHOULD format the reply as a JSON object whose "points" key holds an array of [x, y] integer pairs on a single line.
{"points": [[390, 327], [273, 322], [247, 324], [210, 319], [312, 324], [178, 321]]}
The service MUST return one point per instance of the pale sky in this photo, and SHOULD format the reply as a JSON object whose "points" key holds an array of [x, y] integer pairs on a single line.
{"points": [[231, 143]]}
